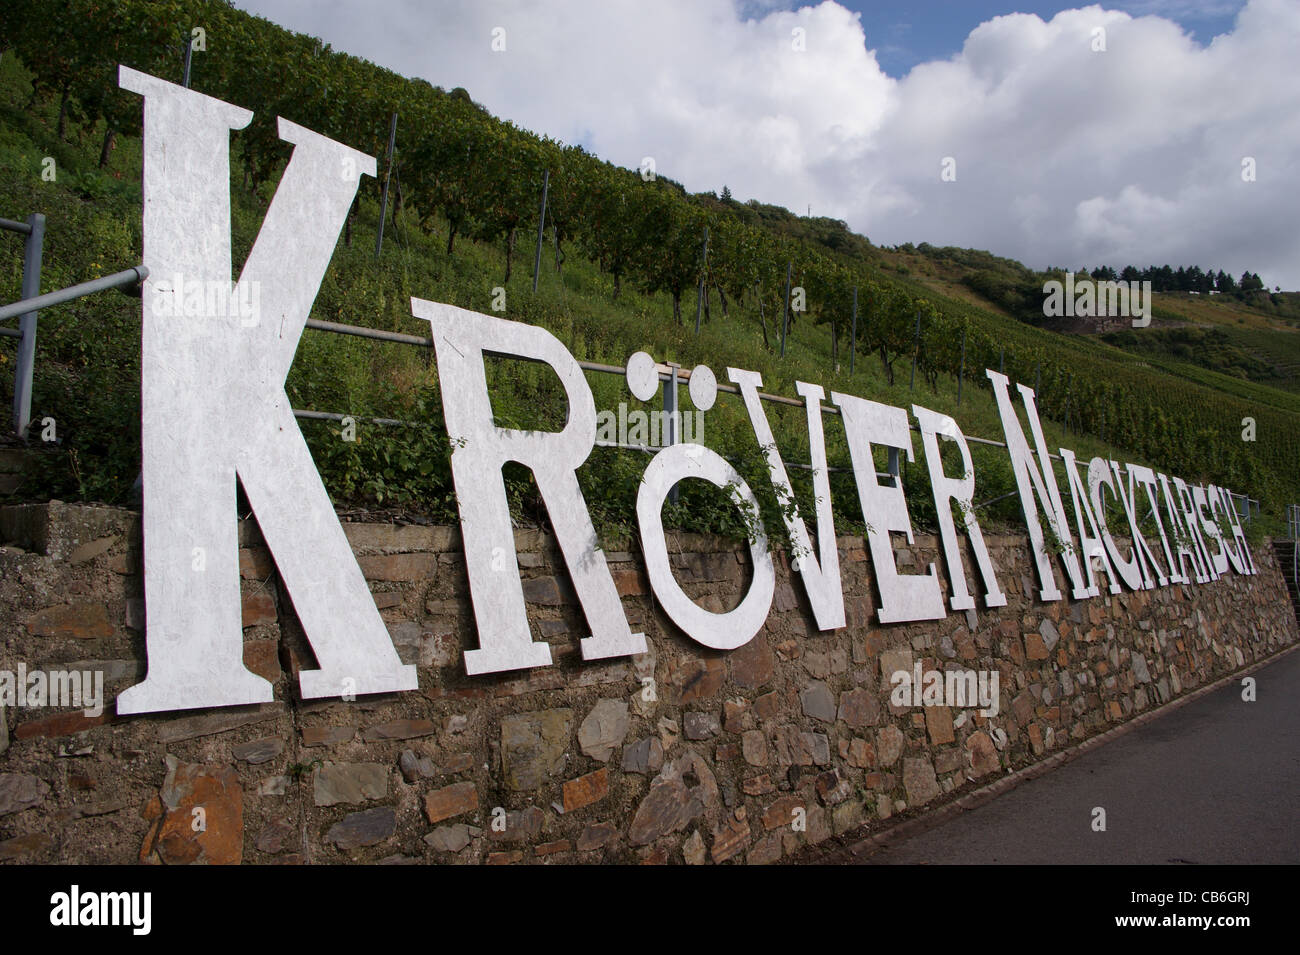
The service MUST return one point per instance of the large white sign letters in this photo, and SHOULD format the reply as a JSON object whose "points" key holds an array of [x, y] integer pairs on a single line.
{"points": [[214, 412]]}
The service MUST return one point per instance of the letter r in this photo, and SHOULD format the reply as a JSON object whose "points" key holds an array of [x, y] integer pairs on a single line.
{"points": [[462, 339]]}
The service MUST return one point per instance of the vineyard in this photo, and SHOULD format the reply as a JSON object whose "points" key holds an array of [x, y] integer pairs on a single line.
{"points": [[629, 261]]}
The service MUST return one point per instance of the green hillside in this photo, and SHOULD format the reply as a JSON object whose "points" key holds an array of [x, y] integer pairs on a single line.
{"points": [[620, 269], [1253, 336]]}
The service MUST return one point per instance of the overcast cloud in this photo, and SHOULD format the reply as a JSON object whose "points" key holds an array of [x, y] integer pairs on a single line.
{"points": [[1063, 155]]}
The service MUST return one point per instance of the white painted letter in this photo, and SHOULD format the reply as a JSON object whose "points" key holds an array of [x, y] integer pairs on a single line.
{"points": [[213, 409], [961, 490], [902, 596], [462, 339], [1037, 478], [821, 574]]}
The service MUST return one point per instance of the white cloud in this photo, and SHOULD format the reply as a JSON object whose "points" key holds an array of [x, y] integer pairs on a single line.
{"points": [[1064, 155]]}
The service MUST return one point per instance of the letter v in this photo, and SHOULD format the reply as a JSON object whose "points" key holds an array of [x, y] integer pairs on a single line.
{"points": [[820, 579]]}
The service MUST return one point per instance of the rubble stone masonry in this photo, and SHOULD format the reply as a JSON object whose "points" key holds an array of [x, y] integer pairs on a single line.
{"points": [[682, 755]]}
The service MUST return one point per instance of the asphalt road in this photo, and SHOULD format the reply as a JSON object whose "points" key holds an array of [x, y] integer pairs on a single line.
{"points": [[1214, 782]]}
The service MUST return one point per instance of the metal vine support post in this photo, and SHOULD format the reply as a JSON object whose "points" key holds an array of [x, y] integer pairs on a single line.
{"points": [[704, 271], [916, 349], [541, 229], [853, 331], [670, 408], [961, 369], [189, 53], [785, 314], [1069, 392], [388, 173]]}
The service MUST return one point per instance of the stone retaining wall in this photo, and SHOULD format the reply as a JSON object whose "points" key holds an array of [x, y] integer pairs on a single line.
{"points": [[685, 754]]}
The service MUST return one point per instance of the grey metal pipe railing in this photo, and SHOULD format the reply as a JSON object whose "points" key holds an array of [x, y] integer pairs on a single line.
{"points": [[136, 275], [993, 500], [333, 416], [600, 443], [682, 375], [361, 331], [25, 368], [128, 277]]}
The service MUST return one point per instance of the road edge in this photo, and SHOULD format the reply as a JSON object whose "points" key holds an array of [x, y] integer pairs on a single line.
{"points": [[907, 828]]}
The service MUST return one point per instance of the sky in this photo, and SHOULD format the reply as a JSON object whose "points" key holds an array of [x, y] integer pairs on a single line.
{"points": [[1153, 132], [905, 33]]}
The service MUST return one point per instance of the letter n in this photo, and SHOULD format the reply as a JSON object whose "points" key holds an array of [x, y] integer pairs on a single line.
{"points": [[1037, 478]]}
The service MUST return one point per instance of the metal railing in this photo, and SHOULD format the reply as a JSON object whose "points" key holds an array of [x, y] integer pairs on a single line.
{"points": [[127, 279], [28, 308], [1293, 535], [34, 231], [671, 375]]}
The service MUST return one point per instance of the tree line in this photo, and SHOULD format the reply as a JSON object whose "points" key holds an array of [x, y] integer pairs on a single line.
{"points": [[1184, 279]]}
